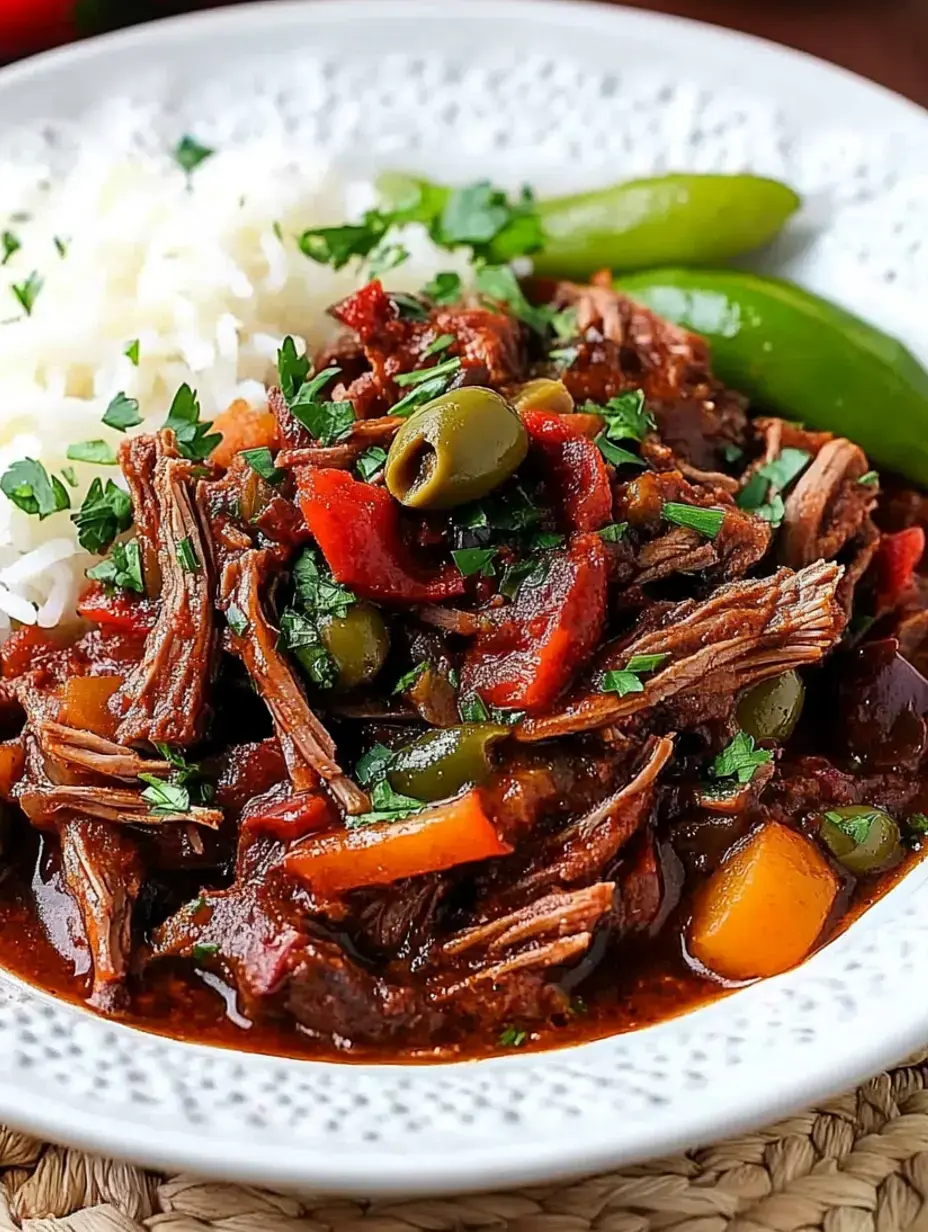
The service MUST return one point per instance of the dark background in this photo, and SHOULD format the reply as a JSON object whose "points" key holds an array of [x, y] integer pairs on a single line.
{"points": [[886, 40]]}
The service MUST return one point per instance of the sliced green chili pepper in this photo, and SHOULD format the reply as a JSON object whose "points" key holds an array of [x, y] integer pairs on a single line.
{"points": [[440, 763], [803, 357], [683, 218]]}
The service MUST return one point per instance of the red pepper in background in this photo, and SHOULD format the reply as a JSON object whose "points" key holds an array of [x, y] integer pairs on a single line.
{"points": [[896, 560], [119, 612], [574, 471], [358, 530], [293, 818], [526, 657]]}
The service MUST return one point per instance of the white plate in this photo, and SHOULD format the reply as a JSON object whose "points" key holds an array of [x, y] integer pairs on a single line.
{"points": [[561, 95]]}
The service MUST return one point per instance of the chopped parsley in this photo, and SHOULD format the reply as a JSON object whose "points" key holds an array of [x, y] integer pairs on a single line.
{"points": [[481, 217], [628, 680], [292, 369], [261, 462], [60, 247], [564, 325], [499, 283], [424, 385], [707, 522], [512, 1037], [189, 153], [445, 288], [615, 453], [626, 419], [326, 421], [740, 759], [475, 560], [473, 709], [388, 805], [408, 679], [69, 476], [122, 413], [165, 797], [100, 452], [370, 462], [30, 487], [447, 368], [613, 533], [762, 494], [317, 591], [236, 619], [9, 243], [132, 351], [336, 246], [121, 570], [373, 764], [204, 950], [28, 292], [300, 635], [918, 822], [857, 827], [731, 453], [187, 556], [194, 440], [529, 571], [441, 343], [105, 513], [870, 479], [385, 258], [563, 357], [316, 595], [409, 306]]}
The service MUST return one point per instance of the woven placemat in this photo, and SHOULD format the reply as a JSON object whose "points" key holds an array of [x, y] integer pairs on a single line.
{"points": [[857, 1164]]}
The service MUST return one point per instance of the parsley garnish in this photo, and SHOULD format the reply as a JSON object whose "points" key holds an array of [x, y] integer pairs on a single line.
{"points": [[372, 765], [122, 569], [385, 258], [204, 949], [261, 462], [370, 462], [100, 452], [615, 453], [708, 522], [68, 475], [132, 351], [856, 827], [475, 560], [194, 440], [388, 805], [870, 479], [761, 495], [441, 343], [299, 635], [731, 453], [9, 243], [165, 797], [425, 384], [499, 283], [409, 306], [28, 292], [563, 357], [187, 774], [187, 556], [336, 246], [564, 325], [122, 413], [447, 368], [325, 421], [481, 217], [292, 369], [236, 619], [318, 592], [105, 513], [626, 419], [740, 759], [918, 822], [628, 679], [408, 679], [512, 1037], [189, 153], [30, 487], [613, 533], [445, 288], [60, 247], [473, 709]]}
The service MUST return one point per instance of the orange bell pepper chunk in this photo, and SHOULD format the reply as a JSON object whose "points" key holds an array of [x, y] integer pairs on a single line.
{"points": [[764, 908], [243, 426], [456, 832], [12, 766], [84, 704]]}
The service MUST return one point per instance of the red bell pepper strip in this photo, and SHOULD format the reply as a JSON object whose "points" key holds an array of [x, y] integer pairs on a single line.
{"points": [[367, 311], [357, 528], [526, 655], [455, 832], [574, 471], [896, 559], [294, 817], [117, 612]]}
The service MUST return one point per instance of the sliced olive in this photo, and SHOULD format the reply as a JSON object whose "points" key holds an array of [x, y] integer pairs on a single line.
{"points": [[771, 710], [455, 449], [863, 839], [544, 395], [358, 643], [440, 763]]}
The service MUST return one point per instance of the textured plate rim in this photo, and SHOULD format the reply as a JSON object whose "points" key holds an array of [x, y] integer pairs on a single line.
{"points": [[500, 1164]]}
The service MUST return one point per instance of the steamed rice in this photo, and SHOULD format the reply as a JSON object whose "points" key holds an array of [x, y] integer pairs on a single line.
{"points": [[203, 270]]}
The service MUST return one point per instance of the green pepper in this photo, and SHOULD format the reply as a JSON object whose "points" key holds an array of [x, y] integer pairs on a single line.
{"points": [[798, 355], [689, 218], [439, 763], [863, 839], [770, 710]]}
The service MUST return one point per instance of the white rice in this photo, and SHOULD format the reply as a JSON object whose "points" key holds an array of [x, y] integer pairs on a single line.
{"points": [[195, 268]]}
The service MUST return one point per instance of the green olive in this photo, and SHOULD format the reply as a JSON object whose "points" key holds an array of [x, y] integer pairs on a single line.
{"points": [[358, 643], [455, 449], [440, 763], [544, 395], [863, 839], [771, 709]]}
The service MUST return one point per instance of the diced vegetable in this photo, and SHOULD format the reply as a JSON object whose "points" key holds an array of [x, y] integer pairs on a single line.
{"points": [[85, 704], [574, 470], [243, 426], [120, 612], [896, 560], [12, 765], [25, 648], [293, 818], [457, 832], [762, 911], [358, 529], [439, 763]]}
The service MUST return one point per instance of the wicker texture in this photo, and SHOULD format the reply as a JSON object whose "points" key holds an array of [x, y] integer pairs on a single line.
{"points": [[857, 1164]]}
